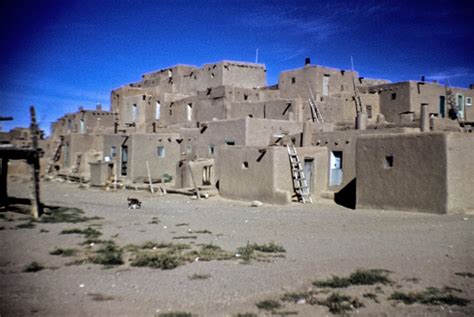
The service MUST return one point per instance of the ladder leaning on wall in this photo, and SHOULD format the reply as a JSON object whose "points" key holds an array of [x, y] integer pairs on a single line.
{"points": [[300, 184], [56, 156]]}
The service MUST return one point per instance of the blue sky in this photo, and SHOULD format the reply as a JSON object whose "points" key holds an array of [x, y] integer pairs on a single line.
{"points": [[59, 55]]}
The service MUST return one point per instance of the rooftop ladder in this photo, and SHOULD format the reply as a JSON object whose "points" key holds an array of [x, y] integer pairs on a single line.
{"points": [[300, 185]]}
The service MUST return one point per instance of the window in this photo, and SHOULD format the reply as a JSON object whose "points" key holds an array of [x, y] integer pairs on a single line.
{"points": [[82, 126], [161, 151], [189, 111], [326, 85], [134, 112], [144, 97], [388, 163], [246, 97], [113, 151], [158, 110], [189, 148], [245, 165], [211, 149], [206, 175], [369, 111], [229, 142], [394, 95], [469, 101], [293, 80]]}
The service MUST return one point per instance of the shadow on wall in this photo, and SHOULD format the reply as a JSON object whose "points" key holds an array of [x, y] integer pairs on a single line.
{"points": [[347, 196]]}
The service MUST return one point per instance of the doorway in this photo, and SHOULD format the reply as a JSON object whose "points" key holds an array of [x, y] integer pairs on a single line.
{"points": [[442, 106], [308, 169], [123, 160], [335, 164]]}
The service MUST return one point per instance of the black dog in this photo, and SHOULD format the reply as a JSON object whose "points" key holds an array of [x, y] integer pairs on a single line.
{"points": [[134, 203]]}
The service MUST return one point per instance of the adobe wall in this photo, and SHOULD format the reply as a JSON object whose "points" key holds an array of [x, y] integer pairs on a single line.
{"points": [[346, 141], [294, 83], [252, 173], [280, 109], [89, 146], [394, 99], [145, 147], [460, 172], [416, 178]]}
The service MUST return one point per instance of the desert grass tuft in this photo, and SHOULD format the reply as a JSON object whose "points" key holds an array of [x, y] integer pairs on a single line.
{"points": [[33, 267], [108, 255], [64, 252], [65, 215], [340, 303], [197, 276], [359, 277], [175, 314], [430, 296], [88, 232], [164, 261], [268, 305]]}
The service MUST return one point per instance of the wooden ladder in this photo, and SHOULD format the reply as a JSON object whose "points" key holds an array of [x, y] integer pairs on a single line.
{"points": [[300, 185], [56, 156]]}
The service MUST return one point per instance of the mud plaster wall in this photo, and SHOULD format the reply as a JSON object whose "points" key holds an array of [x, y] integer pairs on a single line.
{"points": [[460, 172], [246, 173], [417, 181], [144, 147]]}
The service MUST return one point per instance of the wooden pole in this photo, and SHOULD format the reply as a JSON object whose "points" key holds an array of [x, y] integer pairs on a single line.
{"points": [[36, 207], [193, 180], [149, 177], [115, 175], [3, 183]]}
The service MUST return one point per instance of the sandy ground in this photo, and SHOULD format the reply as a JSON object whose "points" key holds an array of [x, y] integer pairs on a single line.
{"points": [[320, 239]]}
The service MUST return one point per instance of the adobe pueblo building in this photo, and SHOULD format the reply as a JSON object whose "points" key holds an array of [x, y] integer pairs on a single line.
{"points": [[318, 133]]}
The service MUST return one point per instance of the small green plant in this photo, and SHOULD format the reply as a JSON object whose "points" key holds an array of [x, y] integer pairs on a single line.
{"points": [[33, 267], [154, 221], [371, 296], [269, 248], [246, 252], [184, 237], [210, 252], [88, 232], [359, 277], [99, 297], [26, 225], [197, 276], [164, 261], [65, 215], [63, 252], [340, 303], [430, 296], [108, 255], [175, 314], [295, 297], [205, 231], [269, 305]]}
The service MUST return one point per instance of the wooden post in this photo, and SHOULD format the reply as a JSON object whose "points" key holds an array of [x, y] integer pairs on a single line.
{"points": [[3, 183], [149, 177], [115, 176], [36, 207], [193, 180]]}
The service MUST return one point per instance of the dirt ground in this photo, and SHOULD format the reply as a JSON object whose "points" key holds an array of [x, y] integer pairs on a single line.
{"points": [[321, 240]]}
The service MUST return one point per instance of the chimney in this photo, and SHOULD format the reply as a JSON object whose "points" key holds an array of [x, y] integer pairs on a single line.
{"points": [[307, 61], [423, 78], [471, 86], [81, 108], [98, 107]]}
